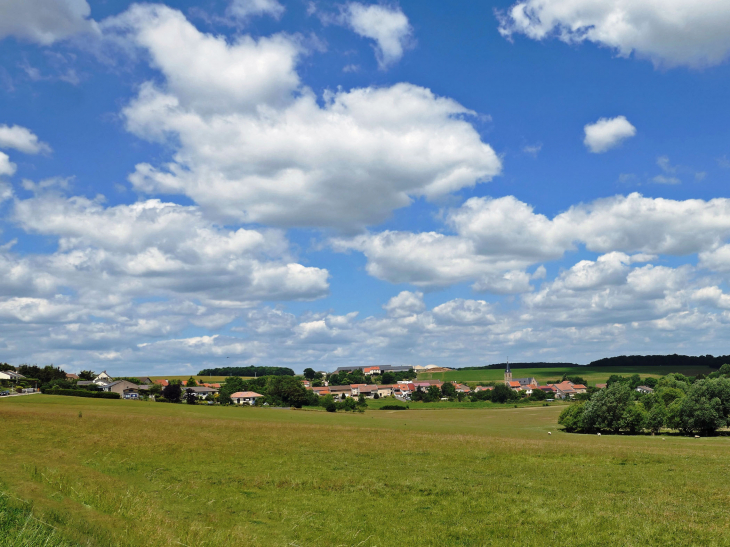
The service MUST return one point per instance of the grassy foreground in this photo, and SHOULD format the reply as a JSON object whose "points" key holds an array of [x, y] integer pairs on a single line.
{"points": [[134, 473], [592, 375]]}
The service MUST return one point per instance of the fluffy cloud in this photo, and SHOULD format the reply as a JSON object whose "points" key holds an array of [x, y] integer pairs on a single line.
{"points": [[388, 26], [163, 249], [7, 167], [404, 304], [669, 33], [22, 139], [607, 133], [253, 145], [44, 21], [497, 239], [243, 9]]}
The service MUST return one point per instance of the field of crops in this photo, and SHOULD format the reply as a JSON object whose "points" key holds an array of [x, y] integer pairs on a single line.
{"points": [[106, 472], [592, 375]]}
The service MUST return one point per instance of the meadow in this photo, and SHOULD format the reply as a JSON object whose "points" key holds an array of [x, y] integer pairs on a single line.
{"points": [[592, 375], [198, 379], [108, 472]]}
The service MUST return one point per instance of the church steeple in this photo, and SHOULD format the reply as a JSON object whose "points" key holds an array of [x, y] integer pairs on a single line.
{"points": [[507, 374]]}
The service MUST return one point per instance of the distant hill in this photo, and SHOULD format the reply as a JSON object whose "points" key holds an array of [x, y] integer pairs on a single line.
{"points": [[521, 365], [662, 361], [626, 361], [247, 371]]}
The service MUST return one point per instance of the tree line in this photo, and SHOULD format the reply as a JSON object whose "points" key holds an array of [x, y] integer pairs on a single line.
{"points": [[699, 405], [247, 371]]}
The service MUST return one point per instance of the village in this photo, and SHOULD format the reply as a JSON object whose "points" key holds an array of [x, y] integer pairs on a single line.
{"points": [[402, 390]]}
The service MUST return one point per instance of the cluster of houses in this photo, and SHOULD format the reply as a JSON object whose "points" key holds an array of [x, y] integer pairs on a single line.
{"points": [[562, 390], [402, 389]]}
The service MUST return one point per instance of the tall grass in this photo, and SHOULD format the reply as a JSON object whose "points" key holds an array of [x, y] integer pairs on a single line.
{"points": [[19, 528], [135, 473]]}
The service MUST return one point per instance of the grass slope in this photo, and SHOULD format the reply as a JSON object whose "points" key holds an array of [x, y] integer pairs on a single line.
{"points": [[19, 528], [592, 375], [133, 473]]}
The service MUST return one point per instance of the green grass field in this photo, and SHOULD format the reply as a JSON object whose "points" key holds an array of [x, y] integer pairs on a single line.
{"points": [[136, 473], [592, 375], [199, 379]]}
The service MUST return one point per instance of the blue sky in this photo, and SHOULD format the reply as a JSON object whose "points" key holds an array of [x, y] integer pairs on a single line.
{"points": [[321, 183]]}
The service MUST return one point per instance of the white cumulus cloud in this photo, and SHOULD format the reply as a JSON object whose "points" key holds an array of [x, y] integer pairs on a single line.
{"points": [[387, 26], [44, 21], [253, 145], [21, 139], [607, 133], [243, 9], [668, 32]]}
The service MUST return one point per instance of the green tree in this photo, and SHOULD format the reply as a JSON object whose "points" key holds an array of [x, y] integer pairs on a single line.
{"points": [[310, 373], [361, 401], [634, 419], [388, 378], [287, 389], [606, 408], [87, 375], [192, 382], [502, 393], [448, 389], [190, 397], [669, 394], [538, 395], [725, 369], [704, 409], [433, 394], [172, 392], [571, 418], [656, 418]]}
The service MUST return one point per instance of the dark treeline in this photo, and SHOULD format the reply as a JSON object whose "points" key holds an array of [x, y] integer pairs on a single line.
{"points": [[674, 360], [662, 361], [522, 365], [247, 371]]}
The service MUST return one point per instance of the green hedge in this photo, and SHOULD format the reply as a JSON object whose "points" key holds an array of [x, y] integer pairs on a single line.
{"points": [[393, 407], [82, 393]]}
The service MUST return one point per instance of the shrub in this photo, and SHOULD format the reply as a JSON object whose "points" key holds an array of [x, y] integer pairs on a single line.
{"points": [[571, 418], [393, 407], [83, 393]]}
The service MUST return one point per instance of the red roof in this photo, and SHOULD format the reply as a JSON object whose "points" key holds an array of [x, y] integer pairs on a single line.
{"points": [[579, 386], [240, 394], [162, 382], [370, 369], [514, 384]]}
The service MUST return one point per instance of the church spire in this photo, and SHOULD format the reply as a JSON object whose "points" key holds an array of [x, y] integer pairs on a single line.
{"points": [[507, 374]]}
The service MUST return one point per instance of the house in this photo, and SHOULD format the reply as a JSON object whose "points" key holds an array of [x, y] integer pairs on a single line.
{"points": [[385, 391], [11, 375], [245, 397], [483, 388], [644, 389], [202, 392], [144, 380], [461, 388], [321, 391], [306, 383], [340, 392], [564, 390], [368, 391], [514, 385], [163, 383], [103, 378], [126, 389], [548, 389], [72, 376], [580, 388], [601, 386], [527, 382], [370, 371]]}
